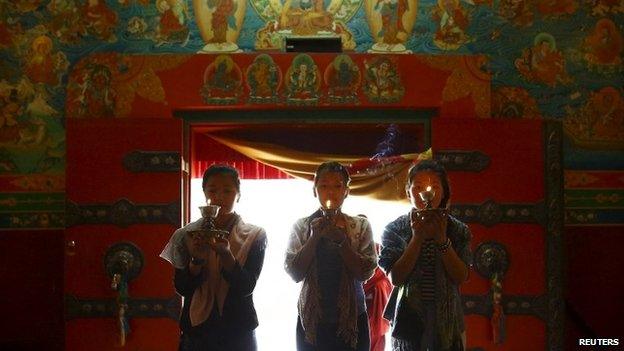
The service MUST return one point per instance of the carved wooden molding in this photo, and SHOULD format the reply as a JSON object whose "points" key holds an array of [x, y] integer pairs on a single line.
{"points": [[152, 161], [553, 175], [534, 305], [461, 160], [490, 213], [107, 308], [122, 213], [76, 308]]}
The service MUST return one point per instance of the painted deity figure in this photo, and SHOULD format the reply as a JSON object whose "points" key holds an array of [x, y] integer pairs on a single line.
{"points": [[542, 62], [382, 81], [172, 24], [222, 81], [604, 44], [96, 98], [343, 78], [222, 77], [100, 20], [305, 17], [608, 107], [303, 79], [40, 65], [263, 77], [600, 121], [222, 18], [453, 22], [392, 12], [383, 77]]}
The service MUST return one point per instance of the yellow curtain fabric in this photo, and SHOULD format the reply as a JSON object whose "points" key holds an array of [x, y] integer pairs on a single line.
{"points": [[383, 179]]}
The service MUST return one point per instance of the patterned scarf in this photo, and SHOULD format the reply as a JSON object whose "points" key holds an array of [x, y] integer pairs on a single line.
{"points": [[309, 304], [213, 286]]}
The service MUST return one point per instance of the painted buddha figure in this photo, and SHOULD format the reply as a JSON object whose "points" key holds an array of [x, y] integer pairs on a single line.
{"points": [[305, 17]]}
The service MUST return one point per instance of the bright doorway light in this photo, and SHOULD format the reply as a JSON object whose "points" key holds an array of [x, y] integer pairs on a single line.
{"points": [[275, 205]]}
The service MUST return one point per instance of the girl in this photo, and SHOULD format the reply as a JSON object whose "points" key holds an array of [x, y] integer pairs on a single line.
{"points": [[216, 276], [333, 254], [427, 255]]}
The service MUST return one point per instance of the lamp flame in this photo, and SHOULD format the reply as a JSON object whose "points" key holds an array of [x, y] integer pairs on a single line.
{"points": [[428, 187], [328, 204]]}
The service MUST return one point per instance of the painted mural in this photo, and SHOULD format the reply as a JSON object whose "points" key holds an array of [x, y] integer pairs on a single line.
{"points": [[547, 59]]}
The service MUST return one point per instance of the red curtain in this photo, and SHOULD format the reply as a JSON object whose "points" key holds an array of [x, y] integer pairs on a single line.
{"points": [[205, 152]]}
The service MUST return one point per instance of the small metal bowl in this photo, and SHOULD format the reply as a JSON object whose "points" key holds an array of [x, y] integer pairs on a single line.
{"points": [[208, 233], [209, 211]]}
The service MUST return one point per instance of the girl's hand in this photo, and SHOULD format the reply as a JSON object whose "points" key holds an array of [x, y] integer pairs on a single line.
{"points": [[197, 245], [318, 227], [439, 222], [336, 234], [220, 245], [417, 223]]}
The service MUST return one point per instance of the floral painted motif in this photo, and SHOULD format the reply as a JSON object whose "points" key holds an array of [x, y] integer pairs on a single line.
{"points": [[105, 85], [67, 22], [606, 7], [518, 12], [514, 102], [555, 8]]}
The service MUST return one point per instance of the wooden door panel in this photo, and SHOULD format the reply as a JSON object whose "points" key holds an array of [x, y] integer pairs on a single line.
{"points": [[525, 245], [516, 169], [100, 335], [523, 333], [111, 201], [95, 153], [93, 241], [504, 203]]}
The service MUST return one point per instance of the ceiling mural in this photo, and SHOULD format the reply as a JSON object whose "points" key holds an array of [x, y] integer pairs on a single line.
{"points": [[557, 59]]}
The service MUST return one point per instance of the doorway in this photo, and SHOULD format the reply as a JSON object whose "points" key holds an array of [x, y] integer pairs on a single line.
{"points": [[274, 200]]}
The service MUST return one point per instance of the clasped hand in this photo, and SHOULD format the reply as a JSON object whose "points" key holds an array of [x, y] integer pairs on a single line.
{"points": [[326, 228], [429, 225], [199, 246]]}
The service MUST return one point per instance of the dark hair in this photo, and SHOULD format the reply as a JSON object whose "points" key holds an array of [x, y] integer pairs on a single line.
{"points": [[221, 169], [434, 167], [332, 166]]}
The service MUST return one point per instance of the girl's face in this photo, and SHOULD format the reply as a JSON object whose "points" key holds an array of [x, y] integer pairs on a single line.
{"points": [[420, 182], [221, 190], [331, 187]]}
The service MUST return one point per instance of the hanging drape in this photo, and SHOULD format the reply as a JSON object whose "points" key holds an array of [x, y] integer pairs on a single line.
{"points": [[205, 152], [382, 177]]}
